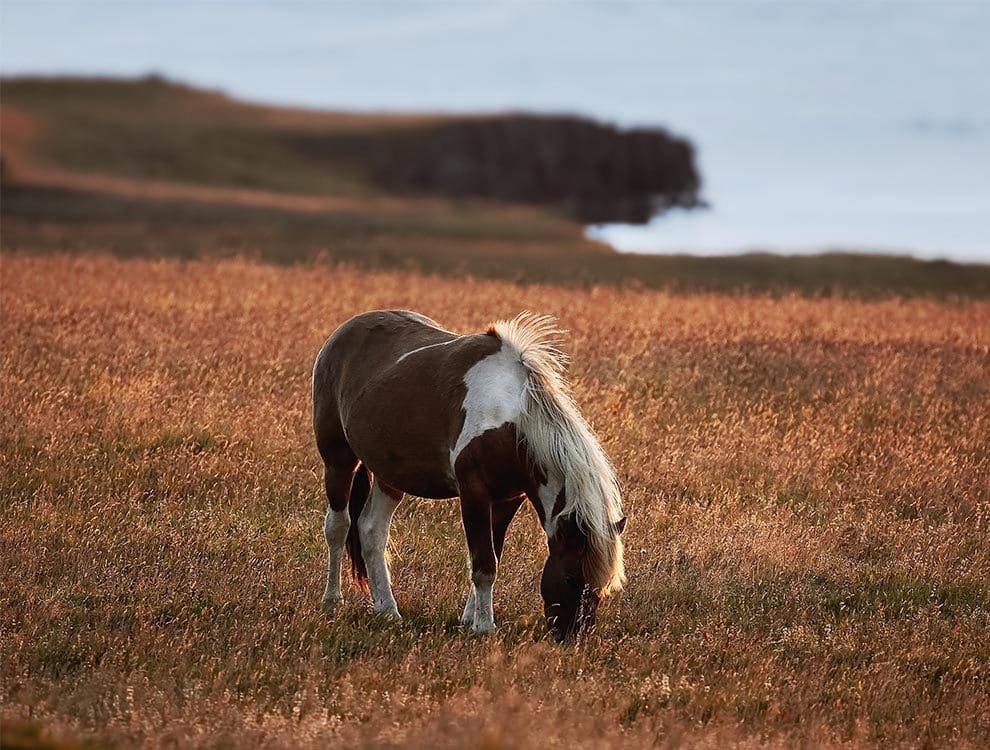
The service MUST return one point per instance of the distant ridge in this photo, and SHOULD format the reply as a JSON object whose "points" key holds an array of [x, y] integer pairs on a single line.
{"points": [[153, 128], [148, 168]]}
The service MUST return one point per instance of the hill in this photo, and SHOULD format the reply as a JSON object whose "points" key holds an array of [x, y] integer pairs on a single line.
{"points": [[149, 167]]}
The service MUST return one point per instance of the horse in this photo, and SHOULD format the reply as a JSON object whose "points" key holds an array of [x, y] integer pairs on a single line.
{"points": [[403, 406]]}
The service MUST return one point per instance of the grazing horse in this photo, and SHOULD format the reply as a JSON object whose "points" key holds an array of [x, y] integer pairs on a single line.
{"points": [[401, 405]]}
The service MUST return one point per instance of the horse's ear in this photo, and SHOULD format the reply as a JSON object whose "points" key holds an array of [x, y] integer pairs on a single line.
{"points": [[619, 526]]}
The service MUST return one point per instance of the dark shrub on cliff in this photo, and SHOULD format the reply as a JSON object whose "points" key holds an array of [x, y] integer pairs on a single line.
{"points": [[591, 171]]}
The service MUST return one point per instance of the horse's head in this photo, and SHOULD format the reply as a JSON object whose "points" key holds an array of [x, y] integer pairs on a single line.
{"points": [[570, 601]]}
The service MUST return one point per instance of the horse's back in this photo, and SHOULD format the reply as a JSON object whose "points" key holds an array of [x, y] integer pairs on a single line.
{"points": [[372, 336]]}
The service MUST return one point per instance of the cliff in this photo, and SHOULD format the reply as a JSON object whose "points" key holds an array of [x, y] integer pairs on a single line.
{"points": [[590, 171]]}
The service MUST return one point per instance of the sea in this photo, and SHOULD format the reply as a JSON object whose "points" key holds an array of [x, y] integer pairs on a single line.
{"points": [[819, 125]]}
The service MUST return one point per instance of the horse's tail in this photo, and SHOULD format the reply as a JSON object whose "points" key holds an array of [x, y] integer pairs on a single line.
{"points": [[360, 489]]}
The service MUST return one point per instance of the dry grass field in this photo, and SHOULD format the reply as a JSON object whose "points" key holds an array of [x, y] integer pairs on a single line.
{"points": [[806, 481]]}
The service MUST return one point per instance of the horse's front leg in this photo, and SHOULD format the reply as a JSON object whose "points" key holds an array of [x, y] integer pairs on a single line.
{"points": [[476, 515], [502, 515]]}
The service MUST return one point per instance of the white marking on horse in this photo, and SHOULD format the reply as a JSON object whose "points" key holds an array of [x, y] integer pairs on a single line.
{"points": [[373, 526], [548, 494], [423, 348], [335, 526], [484, 611], [467, 616], [496, 395]]}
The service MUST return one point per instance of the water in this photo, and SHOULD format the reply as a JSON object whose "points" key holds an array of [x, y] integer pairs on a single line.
{"points": [[820, 125]]}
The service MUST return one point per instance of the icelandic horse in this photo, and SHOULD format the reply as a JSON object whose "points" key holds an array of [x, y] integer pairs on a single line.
{"points": [[401, 405]]}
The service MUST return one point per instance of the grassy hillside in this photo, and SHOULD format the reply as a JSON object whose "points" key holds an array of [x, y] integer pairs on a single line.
{"points": [[151, 168], [154, 129], [806, 483]]}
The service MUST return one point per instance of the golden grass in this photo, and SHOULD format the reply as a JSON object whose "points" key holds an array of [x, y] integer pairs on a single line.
{"points": [[806, 479]]}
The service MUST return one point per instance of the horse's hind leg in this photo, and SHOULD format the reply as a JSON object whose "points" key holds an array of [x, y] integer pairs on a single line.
{"points": [[373, 528], [339, 463]]}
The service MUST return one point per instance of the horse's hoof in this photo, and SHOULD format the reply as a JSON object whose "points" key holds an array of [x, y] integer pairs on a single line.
{"points": [[392, 615], [484, 629], [330, 604]]}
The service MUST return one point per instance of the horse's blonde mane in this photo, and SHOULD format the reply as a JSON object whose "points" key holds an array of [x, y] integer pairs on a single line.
{"points": [[561, 442]]}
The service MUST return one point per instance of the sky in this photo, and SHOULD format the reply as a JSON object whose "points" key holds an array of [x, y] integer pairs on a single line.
{"points": [[822, 124]]}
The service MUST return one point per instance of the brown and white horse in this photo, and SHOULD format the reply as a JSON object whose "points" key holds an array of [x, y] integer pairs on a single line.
{"points": [[401, 405]]}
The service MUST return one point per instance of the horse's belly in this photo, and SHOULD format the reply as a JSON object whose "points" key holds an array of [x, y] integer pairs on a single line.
{"points": [[411, 474], [414, 463]]}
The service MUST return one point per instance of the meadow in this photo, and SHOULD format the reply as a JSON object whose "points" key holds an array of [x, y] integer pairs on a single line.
{"points": [[806, 479]]}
